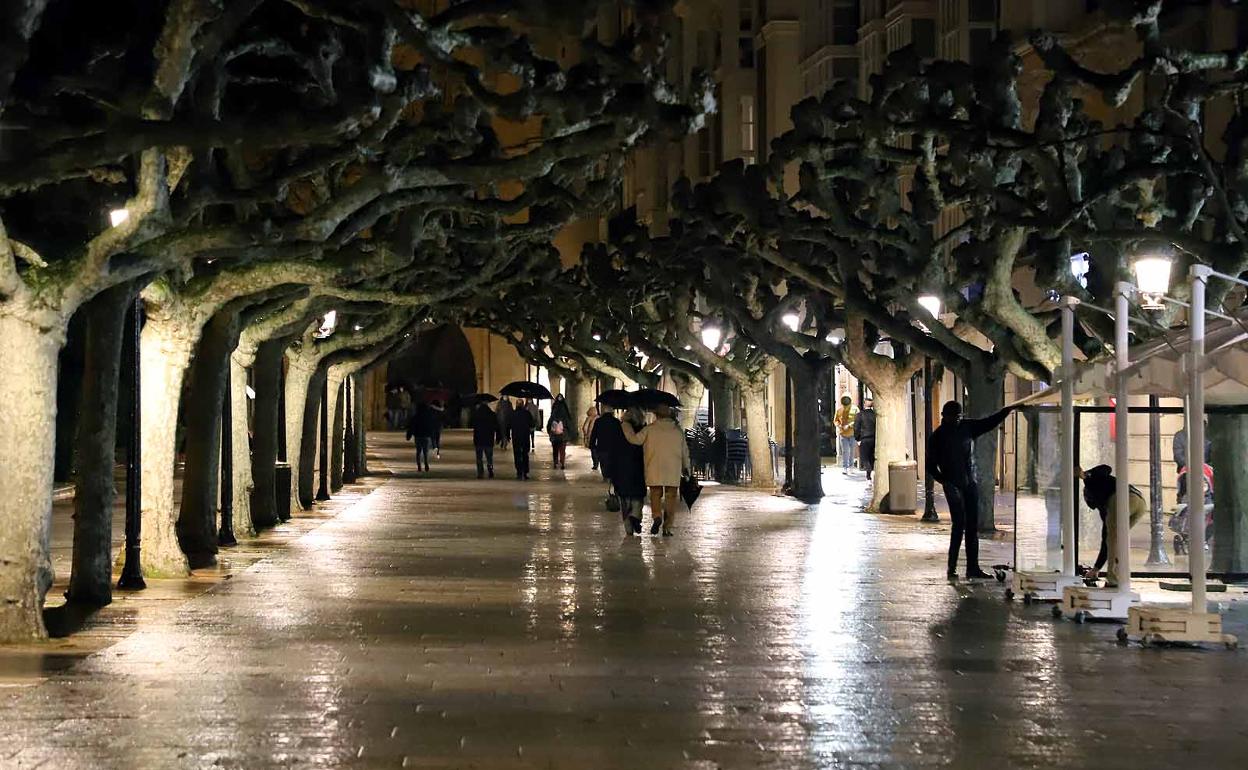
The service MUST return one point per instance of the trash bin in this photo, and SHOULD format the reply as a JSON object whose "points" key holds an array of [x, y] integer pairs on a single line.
{"points": [[281, 490], [903, 486]]}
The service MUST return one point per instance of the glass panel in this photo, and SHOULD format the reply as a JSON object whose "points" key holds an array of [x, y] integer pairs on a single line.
{"points": [[1037, 498]]}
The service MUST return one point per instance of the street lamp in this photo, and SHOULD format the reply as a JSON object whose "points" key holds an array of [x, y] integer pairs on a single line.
{"points": [[931, 303], [1079, 267], [711, 336], [327, 325], [117, 216], [1152, 278], [791, 320]]}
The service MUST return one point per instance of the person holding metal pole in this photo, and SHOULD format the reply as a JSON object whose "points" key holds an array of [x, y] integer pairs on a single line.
{"points": [[951, 462]]}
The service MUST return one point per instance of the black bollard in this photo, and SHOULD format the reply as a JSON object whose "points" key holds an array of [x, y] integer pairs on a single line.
{"points": [[131, 572]]}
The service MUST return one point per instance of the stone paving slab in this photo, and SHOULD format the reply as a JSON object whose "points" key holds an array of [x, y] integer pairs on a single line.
{"points": [[442, 622]]}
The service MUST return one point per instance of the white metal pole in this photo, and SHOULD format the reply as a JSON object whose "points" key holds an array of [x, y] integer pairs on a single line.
{"points": [[1067, 484], [1121, 558], [1196, 441]]}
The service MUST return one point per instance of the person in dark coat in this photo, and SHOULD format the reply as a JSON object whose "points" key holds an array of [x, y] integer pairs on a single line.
{"points": [[606, 438], [420, 426], [628, 477], [864, 434], [521, 428], [484, 433], [504, 421], [439, 414], [951, 462]]}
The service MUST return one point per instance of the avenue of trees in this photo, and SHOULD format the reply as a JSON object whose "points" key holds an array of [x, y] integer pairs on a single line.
{"points": [[249, 168]]}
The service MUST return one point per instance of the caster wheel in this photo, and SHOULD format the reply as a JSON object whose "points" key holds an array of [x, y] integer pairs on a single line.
{"points": [[1080, 616], [1026, 598], [1009, 595], [1122, 636], [1000, 573], [1057, 610]]}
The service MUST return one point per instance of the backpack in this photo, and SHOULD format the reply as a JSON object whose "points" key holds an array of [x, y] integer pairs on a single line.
{"points": [[556, 427]]}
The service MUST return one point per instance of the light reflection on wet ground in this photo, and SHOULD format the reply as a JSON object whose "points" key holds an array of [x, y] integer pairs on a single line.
{"points": [[446, 622]]}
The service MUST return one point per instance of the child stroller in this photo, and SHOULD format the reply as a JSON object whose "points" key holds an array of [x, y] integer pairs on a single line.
{"points": [[1179, 524]]}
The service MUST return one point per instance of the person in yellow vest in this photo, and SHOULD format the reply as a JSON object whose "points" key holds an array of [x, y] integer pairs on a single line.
{"points": [[843, 421]]}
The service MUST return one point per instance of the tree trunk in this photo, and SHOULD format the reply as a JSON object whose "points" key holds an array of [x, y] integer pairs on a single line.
{"points": [[758, 437], [298, 385], [336, 432], [891, 406], [361, 448], [197, 521], [986, 395], [309, 417], [241, 465], [690, 391], [807, 464], [1229, 435], [721, 399], [91, 575], [69, 395], [27, 447], [580, 401], [266, 372], [165, 353]]}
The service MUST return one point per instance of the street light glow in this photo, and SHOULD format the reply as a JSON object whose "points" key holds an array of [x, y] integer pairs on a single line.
{"points": [[117, 216], [1079, 267], [1152, 278], [711, 336], [327, 325], [931, 303], [791, 320]]}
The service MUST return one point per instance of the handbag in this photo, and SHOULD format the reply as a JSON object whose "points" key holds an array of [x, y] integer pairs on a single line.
{"points": [[613, 502]]}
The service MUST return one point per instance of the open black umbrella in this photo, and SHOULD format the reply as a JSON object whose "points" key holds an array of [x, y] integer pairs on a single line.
{"points": [[525, 389], [478, 398], [615, 399], [650, 398]]}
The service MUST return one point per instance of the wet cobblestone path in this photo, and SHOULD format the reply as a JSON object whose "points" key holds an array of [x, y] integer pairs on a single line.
{"points": [[446, 622]]}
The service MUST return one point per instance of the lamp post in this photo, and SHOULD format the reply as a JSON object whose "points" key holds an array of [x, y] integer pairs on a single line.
{"points": [[1196, 439], [131, 572], [932, 304], [1156, 533], [791, 320], [1067, 437]]}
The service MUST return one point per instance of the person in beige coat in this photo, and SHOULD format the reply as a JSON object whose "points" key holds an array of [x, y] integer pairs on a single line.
{"points": [[666, 459]]}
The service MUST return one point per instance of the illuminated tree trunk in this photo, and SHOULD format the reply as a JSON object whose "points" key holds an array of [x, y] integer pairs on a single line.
{"points": [[267, 380], [91, 575], [298, 382], [689, 390], [239, 434], [1229, 436], [580, 400], [721, 398], [336, 427], [310, 421], [166, 346], [361, 441], [891, 406], [759, 438], [27, 444], [985, 396]]}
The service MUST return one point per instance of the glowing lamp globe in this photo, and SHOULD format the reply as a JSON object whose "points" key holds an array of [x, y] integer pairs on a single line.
{"points": [[1152, 278], [931, 303], [711, 336]]}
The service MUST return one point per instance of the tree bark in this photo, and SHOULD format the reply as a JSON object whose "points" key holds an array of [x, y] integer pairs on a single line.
{"points": [[721, 397], [241, 449], [807, 464], [1229, 435], [166, 345], [361, 442], [890, 437], [197, 521], [986, 395], [759, 439], [298, 385], [336, 432], [267, 378], [69, 396], [91, 574], [309, 417], [580, 400], [690, 391], [27, 447]]}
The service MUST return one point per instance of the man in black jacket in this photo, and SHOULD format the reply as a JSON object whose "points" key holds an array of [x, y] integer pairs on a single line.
{"points": [[951, 461], [521, 428], [484, 432], [864, 434]]}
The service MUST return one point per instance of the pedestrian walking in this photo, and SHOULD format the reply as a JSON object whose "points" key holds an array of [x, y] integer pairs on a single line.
{"points": [[666, 455], [628, 476], [864, 434], [405, 405], [951, 462], [484, 434], [843, 420], [1100, 493], [521, 428], [439, 420], [587, 431], [420, 428], [536, 414], [504, 421], [557, 429], [605, 439], [393, 405]]}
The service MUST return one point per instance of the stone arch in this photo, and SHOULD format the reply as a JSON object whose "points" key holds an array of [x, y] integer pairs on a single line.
{"points": [[439, 359]]}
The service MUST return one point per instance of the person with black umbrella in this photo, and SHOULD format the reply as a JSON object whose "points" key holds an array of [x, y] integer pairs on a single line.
{"points": [[628, 475], [606, 439], [521, 427], [666, 460], [504, 421], [484, 432]]}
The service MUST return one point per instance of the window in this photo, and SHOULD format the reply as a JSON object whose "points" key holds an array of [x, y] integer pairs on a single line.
{"points": [[982, 10], [745, 53], [845, 22], [923, 36], [749, 126]]}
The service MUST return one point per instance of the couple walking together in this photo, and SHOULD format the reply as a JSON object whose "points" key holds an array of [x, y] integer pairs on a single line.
{"points": [[640, 459]]}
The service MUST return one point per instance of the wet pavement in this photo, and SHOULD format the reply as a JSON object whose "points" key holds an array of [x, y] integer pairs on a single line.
{"points": [[444, 622]]}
